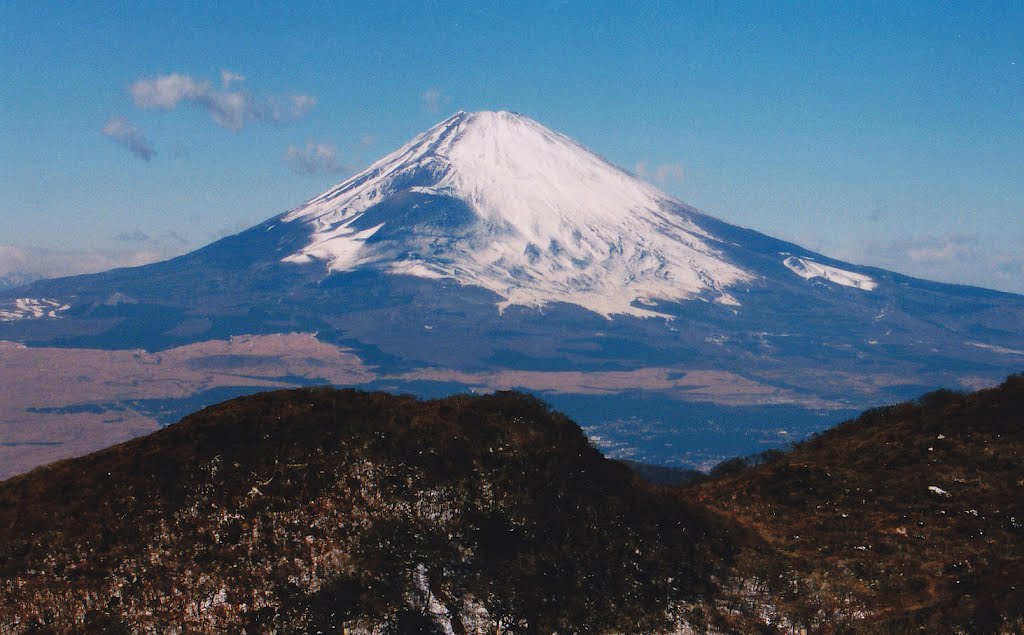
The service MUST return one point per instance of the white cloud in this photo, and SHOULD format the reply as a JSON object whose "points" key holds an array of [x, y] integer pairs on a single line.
{"points": [[127, 134], [664, 173], [166, 91], [228, 107], [167, 241], [929, 251], [129, 248], [31, 263], [135, 236], [301, 104], [433, 99], [669, 173], [315, 158], [956, 258], [227, 78]]}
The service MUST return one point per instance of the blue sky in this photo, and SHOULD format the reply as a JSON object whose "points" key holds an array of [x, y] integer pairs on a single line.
{"points": [[882, 133]]}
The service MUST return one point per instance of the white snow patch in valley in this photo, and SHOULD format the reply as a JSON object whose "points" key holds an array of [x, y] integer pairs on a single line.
{"points": [[806, 268], [934, 489], [551, 221], [727, 300], [426, 599], [32, 308], [997, 349]]}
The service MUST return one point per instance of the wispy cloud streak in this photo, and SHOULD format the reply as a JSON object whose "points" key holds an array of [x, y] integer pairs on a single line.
{"points": [[229, 106], [315, 158], [959, 258], [433, 99], [127, 134], [663, 174]]}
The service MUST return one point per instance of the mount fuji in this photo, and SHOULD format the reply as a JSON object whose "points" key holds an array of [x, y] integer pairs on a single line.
{"points": [[490, 252], [496, 200]]}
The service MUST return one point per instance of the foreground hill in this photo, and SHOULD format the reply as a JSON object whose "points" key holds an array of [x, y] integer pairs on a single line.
{"points": [[323, 510], [317, 510], [907, 519]]}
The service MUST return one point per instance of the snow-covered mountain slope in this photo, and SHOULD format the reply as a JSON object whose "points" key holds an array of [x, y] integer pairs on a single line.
{"points": [[496, 200]]}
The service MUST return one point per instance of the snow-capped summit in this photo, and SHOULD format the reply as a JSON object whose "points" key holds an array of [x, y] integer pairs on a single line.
{"points": [[497, 200]]}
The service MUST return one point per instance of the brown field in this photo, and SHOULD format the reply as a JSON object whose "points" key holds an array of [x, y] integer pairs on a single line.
{"points": [[37, 381], [721, 387], [61, 402]]}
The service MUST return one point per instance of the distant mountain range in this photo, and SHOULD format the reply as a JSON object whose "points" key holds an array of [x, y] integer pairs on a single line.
{"points": [[490, 252], [322, 510], [15, 279]]}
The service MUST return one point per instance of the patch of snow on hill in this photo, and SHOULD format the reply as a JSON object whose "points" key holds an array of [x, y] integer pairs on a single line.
{"points": [[551, 221], [29, 308], [806, 268]]}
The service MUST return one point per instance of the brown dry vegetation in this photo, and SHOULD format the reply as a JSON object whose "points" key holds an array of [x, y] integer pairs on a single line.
{"points": [[319, 509], [859, 537], [56, 403]]}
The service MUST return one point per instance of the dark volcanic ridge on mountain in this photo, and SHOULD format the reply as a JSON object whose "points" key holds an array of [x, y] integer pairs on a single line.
{"points": [[319, 510]]}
